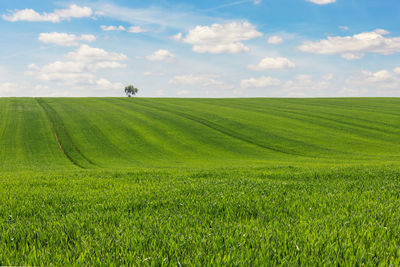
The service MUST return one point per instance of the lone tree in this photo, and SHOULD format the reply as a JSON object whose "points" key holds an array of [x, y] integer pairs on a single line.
{"points": [[130, 90]]}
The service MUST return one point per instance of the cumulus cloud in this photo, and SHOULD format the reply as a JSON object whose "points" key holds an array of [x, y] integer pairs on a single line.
{"points": [[161, 55], [177, 37], [351, 56], [380, 83], [304, 78], [73, 11], [275, 40], [112, 28], [131, 29], [352, 92], [65, 39], [106, 84], [269, 63], [322, 2], [151, 73], [8, 88], [182, 92], [220, 38], [62, 76], [397, 70], [204, 80], [80, 68], [353, 47], [305, 85], [136, 29], [261, 82], [90, 54], [382, 78], [20, 89]]}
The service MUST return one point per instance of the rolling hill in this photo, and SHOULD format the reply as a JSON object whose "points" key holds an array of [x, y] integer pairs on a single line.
{"points": [[225, 182], [69, 133]]}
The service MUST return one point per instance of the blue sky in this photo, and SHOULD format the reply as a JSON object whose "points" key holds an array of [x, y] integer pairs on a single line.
{"points": [[268, 48]]}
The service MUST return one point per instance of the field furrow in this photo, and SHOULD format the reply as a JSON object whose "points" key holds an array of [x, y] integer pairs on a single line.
{"points": [[224, 182], [63, 139], [144, 132]]}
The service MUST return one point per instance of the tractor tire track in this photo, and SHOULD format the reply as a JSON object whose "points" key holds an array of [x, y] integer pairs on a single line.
{"points": [[221, 129], [66, 144]]}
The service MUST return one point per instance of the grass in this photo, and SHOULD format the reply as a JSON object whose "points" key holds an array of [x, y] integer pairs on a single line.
{"points": [[198, 133], [113, 181], [277, 216]]}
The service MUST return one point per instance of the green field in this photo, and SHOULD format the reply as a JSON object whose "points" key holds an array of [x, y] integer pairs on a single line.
{"points": [[152, 181]]}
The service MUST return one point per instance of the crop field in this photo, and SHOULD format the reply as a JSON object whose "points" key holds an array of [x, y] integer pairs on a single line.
{"points": [[159, 182]]}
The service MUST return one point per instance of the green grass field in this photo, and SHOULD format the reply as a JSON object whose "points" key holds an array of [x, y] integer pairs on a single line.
{"points": [[147, 181]]}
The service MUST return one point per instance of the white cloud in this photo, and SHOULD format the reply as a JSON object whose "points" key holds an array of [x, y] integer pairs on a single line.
{"points": [[382, 83], [269, 63], [352, 92], [161, 55], [8, 88], [90, 54], [177, 37], [73, 11], [327, 77], [304, 79], [351, 56], [304, 86], [131, 29], [155, 17], [275, 40], [205, 80], [60, 67], [12, 89], [183, 92], [160, 92], [382, 78], [112, 28], [63, 72], [322, 2], [80, 68], [136, 29], [106, 85], [65, 39], [353, 47], [217, 38], [107, 65], [257, 2], [397, 70], [344, 28], [150, 73], [261, 82], [22, 89]]}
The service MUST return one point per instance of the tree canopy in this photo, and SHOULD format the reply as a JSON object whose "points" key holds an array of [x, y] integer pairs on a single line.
{"points": [[130, 90]]}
